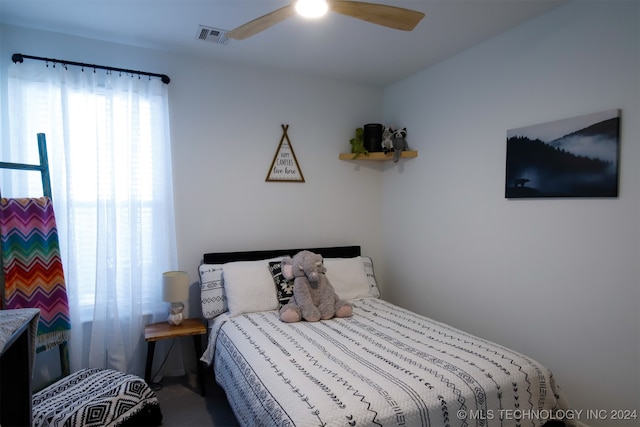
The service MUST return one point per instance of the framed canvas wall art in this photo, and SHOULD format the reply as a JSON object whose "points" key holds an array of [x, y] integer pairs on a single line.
{"points": [[575, 157]]}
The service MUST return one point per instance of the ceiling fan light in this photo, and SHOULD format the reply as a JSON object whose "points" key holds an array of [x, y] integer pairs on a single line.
{"points": [[311, 8]]}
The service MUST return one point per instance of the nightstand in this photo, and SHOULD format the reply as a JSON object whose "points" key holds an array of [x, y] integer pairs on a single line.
{"points": [[163, 330]]}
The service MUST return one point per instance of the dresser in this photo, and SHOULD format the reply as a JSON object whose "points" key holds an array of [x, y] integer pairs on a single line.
{"points": [[18, 329]]}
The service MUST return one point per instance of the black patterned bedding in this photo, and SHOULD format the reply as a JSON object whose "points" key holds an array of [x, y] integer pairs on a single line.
{"points": [[383, 366]]}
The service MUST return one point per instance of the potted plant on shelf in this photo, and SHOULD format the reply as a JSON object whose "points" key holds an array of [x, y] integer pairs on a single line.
{"points": [[357, 144]]}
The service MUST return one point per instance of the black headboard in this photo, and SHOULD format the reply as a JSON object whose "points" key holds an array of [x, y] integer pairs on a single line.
{"points": [[330, 252]]}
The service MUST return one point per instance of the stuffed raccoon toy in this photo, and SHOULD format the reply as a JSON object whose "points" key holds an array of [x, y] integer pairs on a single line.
{"points": [[387, 140], [399, 143], [394, 140]]}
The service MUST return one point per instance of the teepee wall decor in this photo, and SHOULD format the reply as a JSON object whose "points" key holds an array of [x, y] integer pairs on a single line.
{"points": [[285, 167]]}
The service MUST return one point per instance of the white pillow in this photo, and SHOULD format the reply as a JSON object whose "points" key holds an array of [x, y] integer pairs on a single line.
{"points": [[348, 277], [249, 287]]}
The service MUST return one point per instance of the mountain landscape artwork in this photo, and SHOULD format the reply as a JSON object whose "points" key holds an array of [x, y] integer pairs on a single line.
{"points": [[576, 157]]}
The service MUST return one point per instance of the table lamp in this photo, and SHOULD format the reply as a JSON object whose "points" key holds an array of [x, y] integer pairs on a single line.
{"points": [[175, 290]]}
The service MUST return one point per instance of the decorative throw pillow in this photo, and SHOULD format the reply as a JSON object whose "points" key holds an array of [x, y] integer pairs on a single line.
{"points": [[249, 287], [349, 279], [212, 296], [374, 291], [284, 287]]}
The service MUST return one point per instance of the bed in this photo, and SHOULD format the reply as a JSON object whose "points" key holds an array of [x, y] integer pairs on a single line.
{"points": [[383, 366]]}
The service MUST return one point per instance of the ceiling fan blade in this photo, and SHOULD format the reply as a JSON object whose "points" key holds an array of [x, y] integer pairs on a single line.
{"points": [[262, 23], [387, 16]]}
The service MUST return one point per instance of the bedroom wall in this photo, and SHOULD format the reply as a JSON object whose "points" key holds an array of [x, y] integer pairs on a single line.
{"points": [[225, 126], [556, 279]]}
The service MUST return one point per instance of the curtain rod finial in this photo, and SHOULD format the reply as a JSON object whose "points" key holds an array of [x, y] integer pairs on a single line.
{"points": [[17, 57]]}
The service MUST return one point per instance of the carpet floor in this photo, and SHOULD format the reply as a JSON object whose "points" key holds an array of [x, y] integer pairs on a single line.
{"points": [[183, 406]]}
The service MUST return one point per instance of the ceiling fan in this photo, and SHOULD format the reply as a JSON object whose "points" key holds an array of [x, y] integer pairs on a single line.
{"points": [[385, 15]]}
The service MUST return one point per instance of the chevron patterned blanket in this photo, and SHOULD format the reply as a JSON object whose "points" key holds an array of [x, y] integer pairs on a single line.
{"points": [[33, 273]]}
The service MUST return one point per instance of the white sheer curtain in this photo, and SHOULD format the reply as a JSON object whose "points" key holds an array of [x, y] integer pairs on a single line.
{"points": [[110, 162]]}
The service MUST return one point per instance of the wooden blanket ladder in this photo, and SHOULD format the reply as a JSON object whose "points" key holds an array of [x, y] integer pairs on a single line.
{"points": [[43, 168]]}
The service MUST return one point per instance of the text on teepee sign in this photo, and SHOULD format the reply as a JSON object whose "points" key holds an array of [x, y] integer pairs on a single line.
{"points": [[285, 166]]}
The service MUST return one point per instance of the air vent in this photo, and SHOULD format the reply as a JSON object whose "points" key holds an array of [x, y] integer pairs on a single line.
{"points": [[210, 34]]}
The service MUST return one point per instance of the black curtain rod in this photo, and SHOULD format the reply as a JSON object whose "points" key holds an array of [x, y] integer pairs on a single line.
{"points": [[18, 57]]}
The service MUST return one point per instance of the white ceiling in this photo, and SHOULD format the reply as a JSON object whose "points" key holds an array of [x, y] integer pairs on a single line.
{"points": [[335, 46]]}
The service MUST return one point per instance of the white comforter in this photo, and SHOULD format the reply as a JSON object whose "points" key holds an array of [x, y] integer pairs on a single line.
{"points": [[383, 366]]}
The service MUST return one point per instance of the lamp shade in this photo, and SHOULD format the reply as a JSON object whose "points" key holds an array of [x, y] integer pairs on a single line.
{"points": [[175, 286]]}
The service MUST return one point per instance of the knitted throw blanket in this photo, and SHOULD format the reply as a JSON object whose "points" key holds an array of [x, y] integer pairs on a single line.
{"points": [[33, 273]]}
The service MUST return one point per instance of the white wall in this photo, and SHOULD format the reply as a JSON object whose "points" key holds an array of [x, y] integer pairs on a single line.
{"points": [[556, 279], [226, 124]]}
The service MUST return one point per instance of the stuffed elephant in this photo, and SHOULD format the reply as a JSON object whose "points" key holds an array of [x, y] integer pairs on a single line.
{"points": [[313, 295]]}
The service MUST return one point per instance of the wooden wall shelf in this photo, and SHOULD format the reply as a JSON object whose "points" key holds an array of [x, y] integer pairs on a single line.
{"points": [[377, 156]]}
